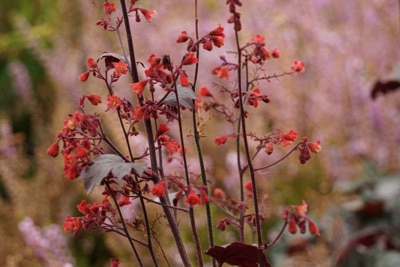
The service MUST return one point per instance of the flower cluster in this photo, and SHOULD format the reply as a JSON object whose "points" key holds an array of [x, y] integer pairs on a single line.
{"points": [[298, 219], [94, 217], [80, 138], [215, 37]]}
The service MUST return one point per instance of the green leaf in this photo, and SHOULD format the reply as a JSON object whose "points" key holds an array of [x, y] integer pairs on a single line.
{"points": [[185, 95], [103, 165]]}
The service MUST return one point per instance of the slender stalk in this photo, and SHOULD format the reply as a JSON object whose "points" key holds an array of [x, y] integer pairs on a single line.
{"points": [[191, 211], [153, 159], [198, 143], [246, 145], [124, 225]]}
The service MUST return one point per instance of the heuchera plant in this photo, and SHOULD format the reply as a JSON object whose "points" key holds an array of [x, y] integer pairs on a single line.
{"points": [[158, 102]]}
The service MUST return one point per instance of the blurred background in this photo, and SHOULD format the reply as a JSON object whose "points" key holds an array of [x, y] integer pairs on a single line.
{"points": [[352, 186]]}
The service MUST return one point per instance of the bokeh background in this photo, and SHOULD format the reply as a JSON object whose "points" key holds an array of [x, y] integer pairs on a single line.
{"points": [[352, 186]]}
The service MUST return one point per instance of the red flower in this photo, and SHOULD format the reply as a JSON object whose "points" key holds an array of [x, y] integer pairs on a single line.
{"points": [[221, 225], [275, 53], [163, 128], [171, 145], [248, 186], [314, 147], [114, 262], [298, 66], [189, 59], [220, 140], [148, 14], [72, 223], [183, 37], [217, 36], [154, 61], [84, 76], [207, 45], [139, 112], [288, 138], [302, 209], [221, 72], [125, 200], [53, 150], [85, 208], [109, 7], [113, 102], [94, 99], [193, 199], [81, 152], [204, 197], [159, 189], [183, 79], [262, 53], [71, 169], [269, 148], [90, 63], [292, 226], [313, 228], [218, 192], [138, 87], [218, 32], [120, 68], [258, 39], [203, 91]]}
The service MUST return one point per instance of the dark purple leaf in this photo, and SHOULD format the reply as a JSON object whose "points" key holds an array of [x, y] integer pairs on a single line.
{"points": [[384, 87], [238, 254]]}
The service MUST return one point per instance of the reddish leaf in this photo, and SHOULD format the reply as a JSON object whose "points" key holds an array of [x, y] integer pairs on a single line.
{"points": [[238, 254]]}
